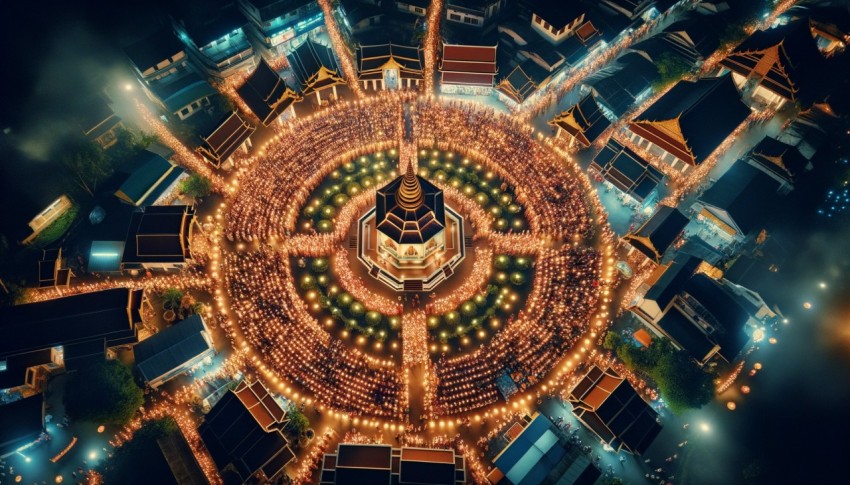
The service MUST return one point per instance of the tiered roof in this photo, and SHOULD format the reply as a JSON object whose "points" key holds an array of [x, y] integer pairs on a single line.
{"points": [[266, 93], [468, 64], [658, 233], [584, 120], [315, 67], [779, 159], [518, 85], [786, 60], [373, 59], [692, 119], [410, 209], [225, 139]]}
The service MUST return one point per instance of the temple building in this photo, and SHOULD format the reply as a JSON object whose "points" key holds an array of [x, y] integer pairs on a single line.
{"points": [[778, 65], [244, 435], [783, 162], [468, 69], [612, 409], [738, 204], [232, 134], [358, 463], [657, 234], [699, 311], [389, 66], [690, 121], [411, 221], [627, 172], [267, 94], [315, 69], [583, 122], [411, 241]]}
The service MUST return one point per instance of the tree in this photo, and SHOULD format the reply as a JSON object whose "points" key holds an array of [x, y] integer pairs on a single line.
{"points": [[172, 298], [196, 186], [671, 68], [681, 382], [88, 165], [128, 145], [104, 392], [298, 423]]}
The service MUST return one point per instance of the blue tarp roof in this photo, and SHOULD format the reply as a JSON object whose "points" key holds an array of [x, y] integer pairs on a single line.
{"points": [[533, 454]]}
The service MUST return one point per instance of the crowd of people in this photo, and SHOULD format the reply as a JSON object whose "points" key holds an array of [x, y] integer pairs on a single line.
{"points": [[555, 204], [303, 154], [277, 324], [275, 321], [558, 311]]}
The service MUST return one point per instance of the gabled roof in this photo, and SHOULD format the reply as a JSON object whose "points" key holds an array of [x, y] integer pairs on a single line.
{"points": [[781, 159], [626, 170], [468, 64], [618, 91], [428, 466], [266, 93], [235, 437], [686, 334], [744, 193], [153, 49], [730, 314], [97, 117], [159, 234], [517, 85], [698, 32], [183, 92], [363, 463], [315, 67], [106, 315], [611, 408], [584, 120], [786, 59], [557, 14], [373, 59], [658, 233], [532, 454], [226, 138], [692, 119], [410, 209], [147, 182], [171, 348], [672, 281], [16, 368], [21, 422]]}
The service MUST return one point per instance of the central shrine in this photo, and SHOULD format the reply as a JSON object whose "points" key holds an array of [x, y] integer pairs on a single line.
{"points": [[411, 221], [410, 240]]}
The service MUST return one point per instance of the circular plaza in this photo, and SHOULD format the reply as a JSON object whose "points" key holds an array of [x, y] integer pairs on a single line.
{"points": [[402, 259]]}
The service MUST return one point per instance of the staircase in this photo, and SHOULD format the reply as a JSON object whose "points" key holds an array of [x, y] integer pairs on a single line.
{"points": [[412, 286]]}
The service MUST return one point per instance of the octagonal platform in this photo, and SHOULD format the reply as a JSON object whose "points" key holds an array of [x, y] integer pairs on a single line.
{"points": [[426, 277]]}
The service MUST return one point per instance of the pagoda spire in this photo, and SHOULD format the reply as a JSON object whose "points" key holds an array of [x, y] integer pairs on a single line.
{"points": [[410, 195]]}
